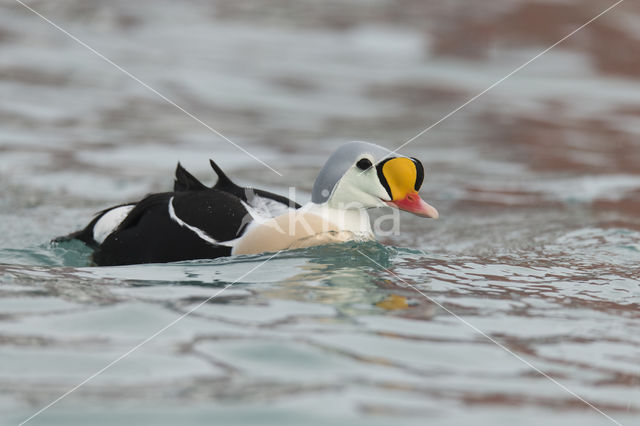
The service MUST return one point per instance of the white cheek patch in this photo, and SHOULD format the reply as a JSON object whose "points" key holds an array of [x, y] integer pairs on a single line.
{"points": [[358, 187], [109, 222]]}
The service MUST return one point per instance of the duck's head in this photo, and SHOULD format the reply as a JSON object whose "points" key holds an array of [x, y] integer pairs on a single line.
{"points": [[364, 175]]}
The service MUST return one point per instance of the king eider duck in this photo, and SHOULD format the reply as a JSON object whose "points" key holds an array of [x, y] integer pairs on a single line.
{"points": [[198, 222]]}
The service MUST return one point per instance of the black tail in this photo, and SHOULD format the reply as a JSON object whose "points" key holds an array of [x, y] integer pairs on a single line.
{"points": [[85, 235]]}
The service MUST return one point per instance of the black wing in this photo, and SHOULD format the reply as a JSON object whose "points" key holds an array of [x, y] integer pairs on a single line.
{"points": [[219, 215], [175, 226]]}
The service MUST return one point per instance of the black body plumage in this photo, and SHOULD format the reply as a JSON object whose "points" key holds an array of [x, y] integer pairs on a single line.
{"points": [[192, 222]]}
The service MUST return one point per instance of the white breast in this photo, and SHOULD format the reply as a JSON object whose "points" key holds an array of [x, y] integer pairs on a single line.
{"points": [[308, 226]]}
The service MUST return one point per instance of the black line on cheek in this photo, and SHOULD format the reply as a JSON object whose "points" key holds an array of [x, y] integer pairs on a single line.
{"points": [[382, 179], [419, 173]]}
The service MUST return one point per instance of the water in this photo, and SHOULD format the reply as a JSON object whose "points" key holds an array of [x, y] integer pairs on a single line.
{"points": [[537, 183]]}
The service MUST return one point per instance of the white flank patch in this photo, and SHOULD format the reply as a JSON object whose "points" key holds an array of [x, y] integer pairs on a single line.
{"points": [[199, 232], [109, 222]]}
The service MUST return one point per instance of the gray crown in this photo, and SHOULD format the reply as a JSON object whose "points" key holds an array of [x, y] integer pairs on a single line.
{"points": [[338, 164]]}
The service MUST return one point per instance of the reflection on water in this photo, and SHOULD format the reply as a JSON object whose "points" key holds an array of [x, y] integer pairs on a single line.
{"points": [[537, 182]]}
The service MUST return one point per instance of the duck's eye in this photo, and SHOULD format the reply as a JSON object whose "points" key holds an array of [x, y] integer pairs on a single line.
{"points": [[363, 164]]}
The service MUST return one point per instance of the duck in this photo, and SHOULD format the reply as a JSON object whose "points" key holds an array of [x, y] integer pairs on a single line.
{"points": [[198, 222]]}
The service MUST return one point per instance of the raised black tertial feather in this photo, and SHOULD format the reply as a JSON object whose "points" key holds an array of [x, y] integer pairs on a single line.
{"points": [[185, 181], [227, 185]]}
